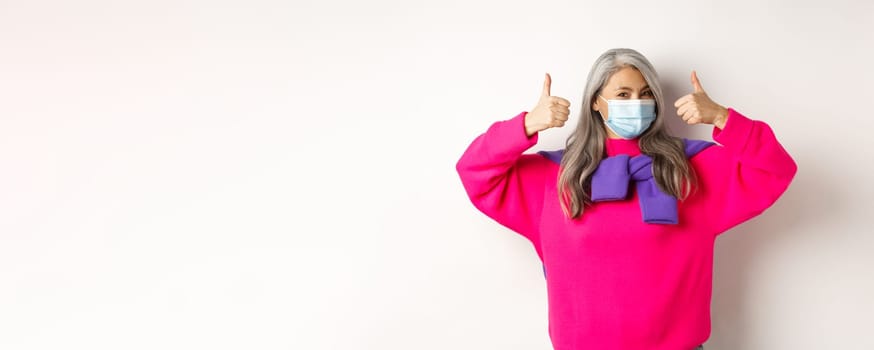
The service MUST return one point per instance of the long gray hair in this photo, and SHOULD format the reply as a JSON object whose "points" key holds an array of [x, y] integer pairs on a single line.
{"points": [[584, 149]]}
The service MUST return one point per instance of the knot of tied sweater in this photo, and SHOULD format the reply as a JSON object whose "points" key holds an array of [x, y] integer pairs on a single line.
{"points": [[614, 175], [610, 182]]}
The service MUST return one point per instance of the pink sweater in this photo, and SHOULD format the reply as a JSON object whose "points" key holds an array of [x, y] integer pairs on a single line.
{"points": [[614, 281]]}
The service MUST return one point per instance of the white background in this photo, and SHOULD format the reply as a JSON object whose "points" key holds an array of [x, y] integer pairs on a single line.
{"points": [[280, 175]]}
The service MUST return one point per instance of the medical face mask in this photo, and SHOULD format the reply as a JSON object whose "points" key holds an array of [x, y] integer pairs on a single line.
{"points": [[629, 118]]}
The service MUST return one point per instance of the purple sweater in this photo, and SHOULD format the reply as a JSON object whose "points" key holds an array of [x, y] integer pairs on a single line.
{"points": [[613, 280]]}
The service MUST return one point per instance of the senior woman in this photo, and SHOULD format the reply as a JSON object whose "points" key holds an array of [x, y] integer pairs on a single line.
{"points": [[625, 217]]}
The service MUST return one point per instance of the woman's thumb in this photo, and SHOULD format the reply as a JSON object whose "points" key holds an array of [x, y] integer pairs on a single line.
{"points": [[546, 83]]}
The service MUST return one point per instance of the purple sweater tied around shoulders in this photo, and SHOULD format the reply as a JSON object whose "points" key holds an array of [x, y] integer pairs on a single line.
{"points": [[611, 179]]}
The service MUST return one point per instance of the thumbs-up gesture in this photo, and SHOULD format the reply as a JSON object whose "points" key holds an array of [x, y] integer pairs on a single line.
{"points": [[550, 111], [697, 107]]}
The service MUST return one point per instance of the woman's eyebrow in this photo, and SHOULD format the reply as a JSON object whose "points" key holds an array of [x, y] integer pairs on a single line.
{"points": [[628, 88]]}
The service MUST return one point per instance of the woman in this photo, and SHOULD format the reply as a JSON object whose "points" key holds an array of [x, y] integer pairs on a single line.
{"points": [[625, 217]]}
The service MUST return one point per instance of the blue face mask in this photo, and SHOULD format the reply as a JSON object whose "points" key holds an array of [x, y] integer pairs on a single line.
{"points": [[629, 118]]}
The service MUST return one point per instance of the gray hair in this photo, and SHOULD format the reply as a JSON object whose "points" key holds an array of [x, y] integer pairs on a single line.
{"points": [[584, 149]]}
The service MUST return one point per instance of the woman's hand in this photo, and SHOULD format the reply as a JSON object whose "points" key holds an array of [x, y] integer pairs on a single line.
{"points": [[697, 107], [550, 111]]}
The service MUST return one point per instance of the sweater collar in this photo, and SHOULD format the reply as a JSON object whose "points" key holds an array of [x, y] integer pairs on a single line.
{"points": [[630, 147]]}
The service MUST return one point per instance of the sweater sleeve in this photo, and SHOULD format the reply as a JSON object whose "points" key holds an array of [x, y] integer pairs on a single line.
{"points": [[501, 181], [743, 175]]}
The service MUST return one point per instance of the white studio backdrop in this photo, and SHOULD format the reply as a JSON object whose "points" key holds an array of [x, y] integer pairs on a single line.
{"points": [[280, 175]]}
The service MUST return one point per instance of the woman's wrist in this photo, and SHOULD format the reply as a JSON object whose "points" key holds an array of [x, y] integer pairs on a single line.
{"points": [[530, 129], [721, 118]]}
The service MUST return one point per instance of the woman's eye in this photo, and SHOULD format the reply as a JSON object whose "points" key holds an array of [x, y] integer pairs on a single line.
{"points": [[622, 94], [647, 93]]}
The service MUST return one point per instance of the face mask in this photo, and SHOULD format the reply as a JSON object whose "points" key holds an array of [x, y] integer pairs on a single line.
{"points": [[629, 118]]}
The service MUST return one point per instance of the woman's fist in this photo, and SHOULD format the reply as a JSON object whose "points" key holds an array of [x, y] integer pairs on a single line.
{"points": [[550, 111], [697, 107]]}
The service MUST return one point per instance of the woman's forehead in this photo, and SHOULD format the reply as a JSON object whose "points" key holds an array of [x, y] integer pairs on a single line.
{"points": [[627, 78]]}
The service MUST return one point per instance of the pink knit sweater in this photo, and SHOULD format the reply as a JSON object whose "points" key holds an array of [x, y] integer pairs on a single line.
{"points": [[614, 281]]}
